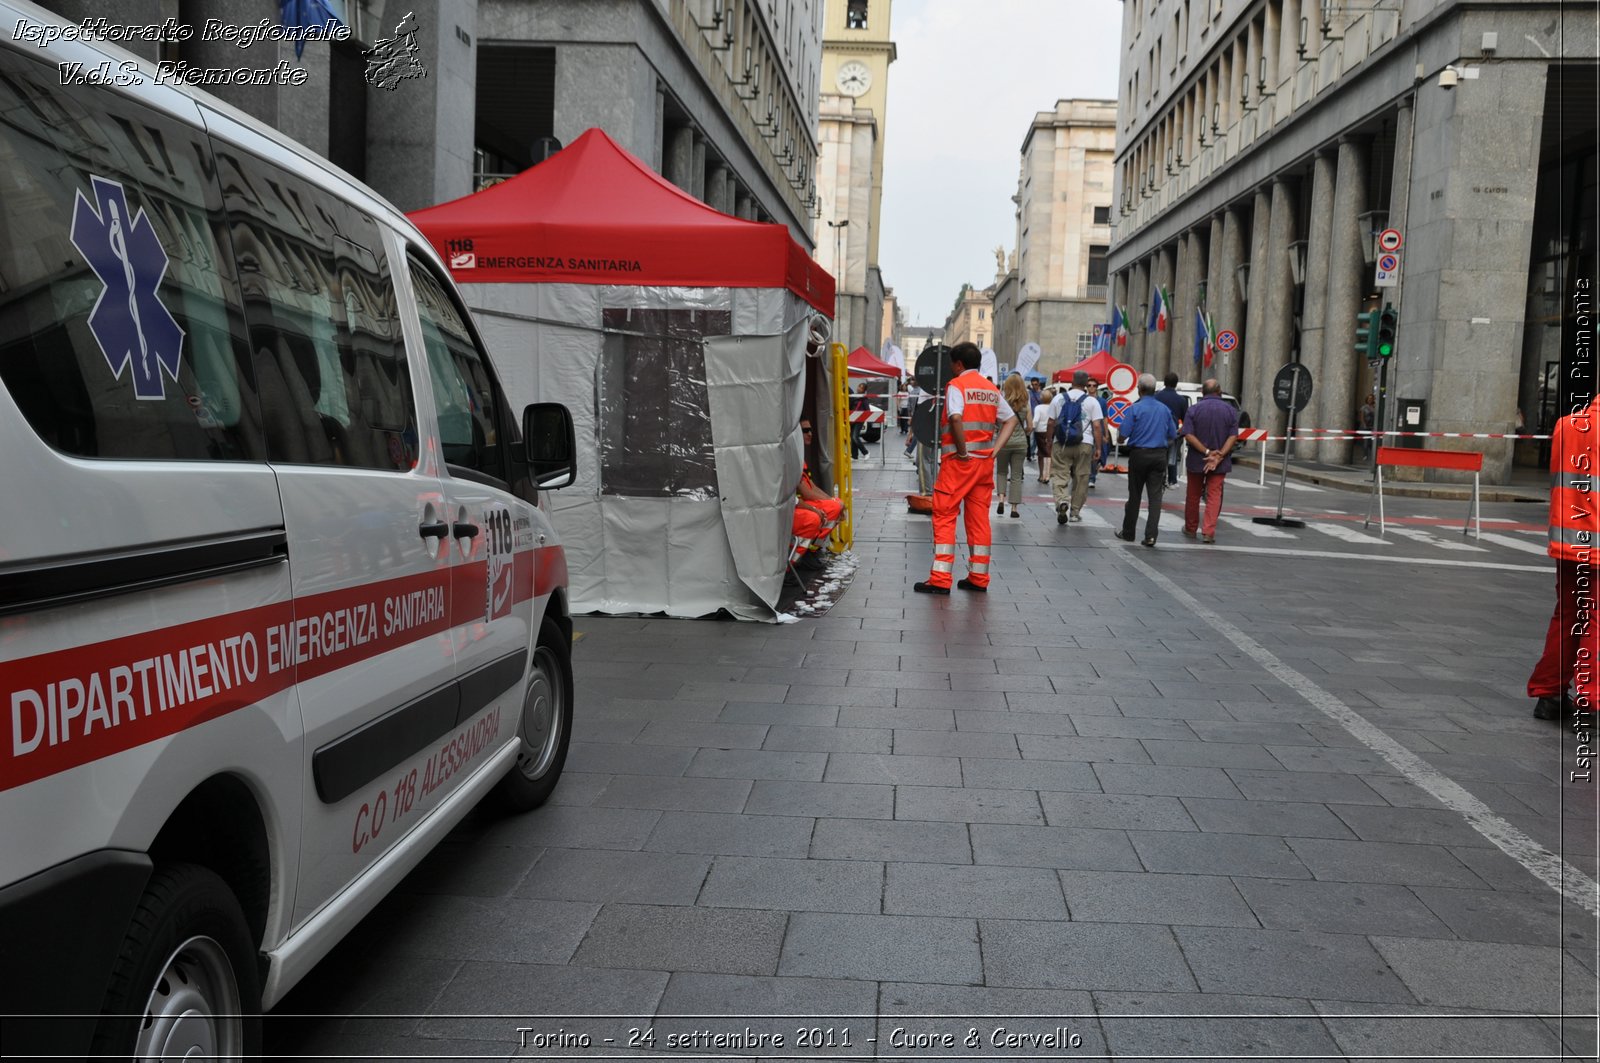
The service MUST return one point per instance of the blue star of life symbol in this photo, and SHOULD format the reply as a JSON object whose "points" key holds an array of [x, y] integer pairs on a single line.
{"points": [[129, 321]]}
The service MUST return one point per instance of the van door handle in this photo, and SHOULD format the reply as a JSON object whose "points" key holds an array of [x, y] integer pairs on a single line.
{"points": [[464, 530], [436, 530]]}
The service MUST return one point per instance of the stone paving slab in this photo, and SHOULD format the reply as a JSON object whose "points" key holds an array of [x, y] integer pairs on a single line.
{"points": [[1053, 847], [968, 805], [1532, 979], [794, 885], [965, 890], [1392, 1030], [1290, 963], [1055, 955], [885, 948], [606, 875], [731, 834], [1343, 907], [1120, 897], [671, 938], [891, 840], [1198, 1026], [896, 769]]}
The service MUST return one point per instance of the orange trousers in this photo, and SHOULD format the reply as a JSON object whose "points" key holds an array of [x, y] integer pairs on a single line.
{"points": [[968, 483], [808, 525]]}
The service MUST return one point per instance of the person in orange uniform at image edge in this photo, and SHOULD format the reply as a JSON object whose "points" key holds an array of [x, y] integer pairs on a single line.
{"points": [[814, 508], [976, 422], [1564, 678]]}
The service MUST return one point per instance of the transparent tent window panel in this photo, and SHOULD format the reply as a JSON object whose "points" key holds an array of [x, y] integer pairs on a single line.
{"points": [[653, 413]]}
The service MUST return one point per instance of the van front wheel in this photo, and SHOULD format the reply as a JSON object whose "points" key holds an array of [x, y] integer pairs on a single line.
{"points": [[185, 984], [545, 728]]}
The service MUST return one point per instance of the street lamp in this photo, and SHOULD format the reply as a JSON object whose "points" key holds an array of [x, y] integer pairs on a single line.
{"points": [[839, 260], [1297, 262]]}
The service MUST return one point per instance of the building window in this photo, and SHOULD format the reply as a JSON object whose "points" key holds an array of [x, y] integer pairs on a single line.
{"points": [[855, 16], [1102, 215], [980, 315], [1097, 263], [1085, 345]]}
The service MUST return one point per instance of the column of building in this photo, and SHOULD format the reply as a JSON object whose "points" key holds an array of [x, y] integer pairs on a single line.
{"points": [[1345, 262]]}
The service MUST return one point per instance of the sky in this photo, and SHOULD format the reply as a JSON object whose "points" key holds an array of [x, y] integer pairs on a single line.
{"points": [[962, 95]]}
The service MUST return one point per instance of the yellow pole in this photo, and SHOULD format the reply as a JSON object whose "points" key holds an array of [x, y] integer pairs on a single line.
{"points": [[844, 534]]}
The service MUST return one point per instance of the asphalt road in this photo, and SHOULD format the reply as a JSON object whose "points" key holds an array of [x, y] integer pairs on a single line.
{"points": [[1279, 796]]}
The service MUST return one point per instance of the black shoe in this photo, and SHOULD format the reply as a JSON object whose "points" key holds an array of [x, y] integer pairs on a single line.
{"points": [[1547, 709], [928, 588], [1124, 538], [1149, 542], [967, 585], [1061, 514], [810, 563]]}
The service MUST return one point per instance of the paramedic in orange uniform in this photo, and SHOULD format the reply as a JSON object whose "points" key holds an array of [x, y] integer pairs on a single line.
{"points": [[977, 421], [1564, 677]]}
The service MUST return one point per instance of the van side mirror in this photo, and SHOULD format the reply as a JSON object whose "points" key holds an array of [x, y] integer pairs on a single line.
{"points": [[549, 445]]}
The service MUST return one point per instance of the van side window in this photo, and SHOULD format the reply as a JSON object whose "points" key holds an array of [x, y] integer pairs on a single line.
{"points": [[120, 327], [321, 309], [463, 389]]}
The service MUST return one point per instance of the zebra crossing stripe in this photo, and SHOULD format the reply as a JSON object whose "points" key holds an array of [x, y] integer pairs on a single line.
{"points": [[1344, 532], [1260, 531], [1517, 544], [1418, 535]]}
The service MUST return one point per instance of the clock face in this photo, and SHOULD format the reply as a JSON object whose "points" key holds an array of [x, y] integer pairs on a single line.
{"points": [[854, 79]]}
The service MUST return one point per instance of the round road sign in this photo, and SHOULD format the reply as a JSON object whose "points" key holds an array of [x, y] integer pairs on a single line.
{"points": [[1388, 263], [1122, 379], [1116, 410], [1390, 240], [933, 368], [1292, 387], [1227, 340]]}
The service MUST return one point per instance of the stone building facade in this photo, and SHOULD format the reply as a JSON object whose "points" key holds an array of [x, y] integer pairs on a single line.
{"points": [[719, 96], [972, 318], [1055, 292], [1262, 146]]}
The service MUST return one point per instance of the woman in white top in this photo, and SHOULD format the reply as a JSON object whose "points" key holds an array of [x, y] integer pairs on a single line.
{"points": [[1041, 433]]}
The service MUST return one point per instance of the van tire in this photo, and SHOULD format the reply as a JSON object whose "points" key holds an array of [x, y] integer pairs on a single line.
{"points": [[186, 976], [547, 703]]}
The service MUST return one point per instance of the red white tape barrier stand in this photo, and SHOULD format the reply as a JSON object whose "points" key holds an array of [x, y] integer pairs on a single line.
{"points": [[1421, 458]]}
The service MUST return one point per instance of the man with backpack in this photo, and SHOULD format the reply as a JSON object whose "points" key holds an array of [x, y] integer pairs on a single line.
{"points": [[1077, 426]]}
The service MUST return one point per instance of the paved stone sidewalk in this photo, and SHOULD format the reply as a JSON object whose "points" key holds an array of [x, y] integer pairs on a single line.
{"points": [[1069, 799]]}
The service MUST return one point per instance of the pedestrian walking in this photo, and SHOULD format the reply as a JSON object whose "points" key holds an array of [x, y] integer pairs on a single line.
{"points": [[1564, 678], [1011, 460], [1077, 425], [1179, 405], [1041, 433], [976, 421], [1035, 397], [1211, 429], [1369, 410], [1149, 429]]}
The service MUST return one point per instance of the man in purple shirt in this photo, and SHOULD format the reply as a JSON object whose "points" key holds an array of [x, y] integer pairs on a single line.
{"points": [[1211, 430]]}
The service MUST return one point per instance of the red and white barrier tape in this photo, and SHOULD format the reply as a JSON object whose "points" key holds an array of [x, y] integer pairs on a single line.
{"points": [[869, 417]]}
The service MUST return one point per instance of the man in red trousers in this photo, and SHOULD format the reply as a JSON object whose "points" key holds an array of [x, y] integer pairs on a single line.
{"points": [[976, 422], [1564, 678]]}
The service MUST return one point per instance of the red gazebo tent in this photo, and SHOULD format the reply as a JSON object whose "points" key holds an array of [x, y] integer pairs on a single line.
{"points": [[595, 214], [864, 363], [1097, 365]]}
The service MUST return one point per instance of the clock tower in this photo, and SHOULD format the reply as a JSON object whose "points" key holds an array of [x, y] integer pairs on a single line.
{"points": [[856, 53]]}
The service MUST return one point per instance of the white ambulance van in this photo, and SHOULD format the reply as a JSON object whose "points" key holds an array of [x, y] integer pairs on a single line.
{"points": [[278, 601]]}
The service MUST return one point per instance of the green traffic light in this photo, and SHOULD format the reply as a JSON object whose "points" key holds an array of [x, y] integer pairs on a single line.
{"points": [[1385, 350]]}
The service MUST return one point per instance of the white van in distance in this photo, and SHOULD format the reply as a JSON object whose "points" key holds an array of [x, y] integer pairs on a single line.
{"points": [[278, 600]]}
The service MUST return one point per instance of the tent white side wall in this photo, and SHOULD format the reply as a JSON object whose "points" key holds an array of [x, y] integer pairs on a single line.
{"points": [[684, 552]]}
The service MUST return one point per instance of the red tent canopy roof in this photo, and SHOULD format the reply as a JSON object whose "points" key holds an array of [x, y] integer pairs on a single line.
{"points": [[595, 214], [1097, 365], [862, 362]]}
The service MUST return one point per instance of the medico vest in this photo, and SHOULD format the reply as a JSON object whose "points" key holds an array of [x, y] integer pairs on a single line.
{"points": [[979, 417], [1574, 504]]}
